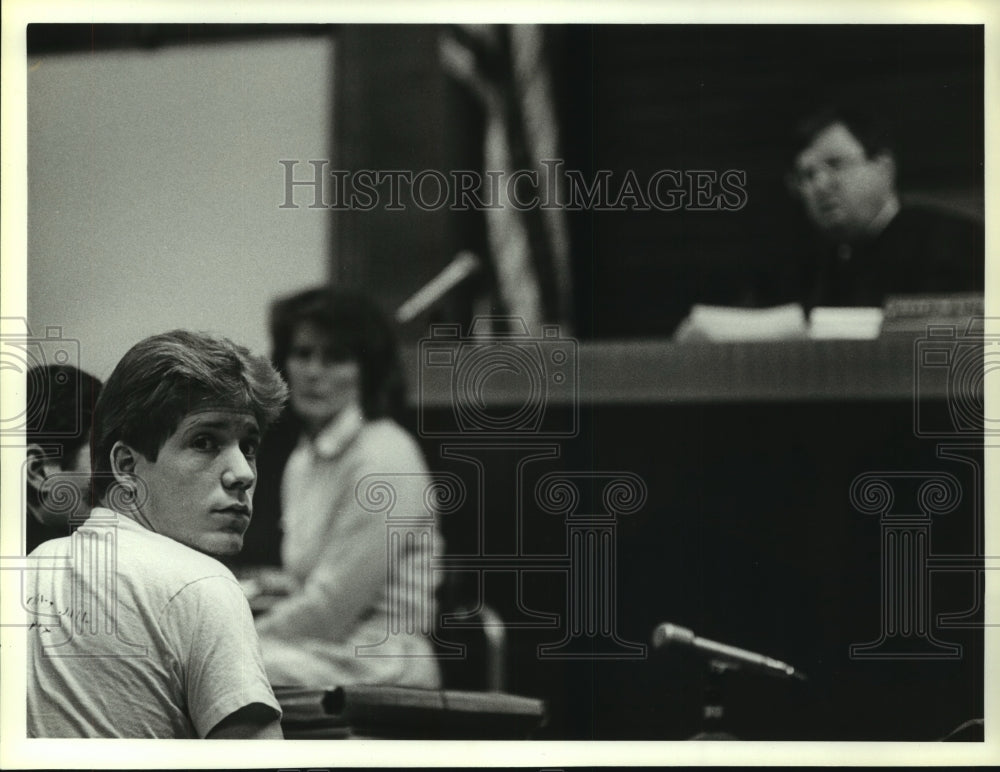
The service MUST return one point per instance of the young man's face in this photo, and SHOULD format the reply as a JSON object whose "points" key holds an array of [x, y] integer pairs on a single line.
{"points": [[200, 488]]}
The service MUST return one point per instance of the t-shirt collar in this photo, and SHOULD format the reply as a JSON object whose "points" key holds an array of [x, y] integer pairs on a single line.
{"points": [[103, 516]]}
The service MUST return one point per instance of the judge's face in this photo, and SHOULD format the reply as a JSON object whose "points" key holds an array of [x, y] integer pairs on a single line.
{"points": [[842, 188], [323, 377]]}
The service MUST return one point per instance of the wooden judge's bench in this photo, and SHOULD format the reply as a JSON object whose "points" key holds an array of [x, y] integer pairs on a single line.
{"points": [[820, 502]]}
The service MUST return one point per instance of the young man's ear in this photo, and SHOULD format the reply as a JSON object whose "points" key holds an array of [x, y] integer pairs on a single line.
{"points": [[39, 466], [123, 459]]}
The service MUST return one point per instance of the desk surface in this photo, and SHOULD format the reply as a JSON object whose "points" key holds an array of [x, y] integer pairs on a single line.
{"points": [[406, 713], [610, 372]]}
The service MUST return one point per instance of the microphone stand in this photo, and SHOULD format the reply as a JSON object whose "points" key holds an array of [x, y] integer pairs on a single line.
{"points": [[714, 718], [721, 660]]}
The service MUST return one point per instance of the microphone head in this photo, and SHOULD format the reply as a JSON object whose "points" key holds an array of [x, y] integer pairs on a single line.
{"points": [[467, 263], [667, 634]]}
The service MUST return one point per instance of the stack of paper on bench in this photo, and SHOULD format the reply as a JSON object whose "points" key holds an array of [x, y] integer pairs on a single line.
{"points": [[852, 323], [725, 323]]}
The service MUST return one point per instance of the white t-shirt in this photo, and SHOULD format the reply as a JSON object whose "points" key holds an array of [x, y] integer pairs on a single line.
{"points": [[136, 635]]}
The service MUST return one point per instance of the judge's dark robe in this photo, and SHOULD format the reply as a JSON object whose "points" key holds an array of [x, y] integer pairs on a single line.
{"points": [[923, 250]]}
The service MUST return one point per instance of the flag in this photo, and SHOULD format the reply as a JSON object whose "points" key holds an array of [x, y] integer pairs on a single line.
{"points": [[505, 67]]}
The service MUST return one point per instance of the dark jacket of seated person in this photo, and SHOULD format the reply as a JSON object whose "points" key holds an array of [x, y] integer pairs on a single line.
{"points": [[922, 250], [135, 628]]}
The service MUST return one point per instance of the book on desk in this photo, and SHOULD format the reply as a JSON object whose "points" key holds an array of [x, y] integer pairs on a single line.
{"points": [[406, 713]]}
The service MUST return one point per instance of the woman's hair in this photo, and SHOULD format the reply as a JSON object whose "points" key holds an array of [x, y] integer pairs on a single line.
{"points": [[358, 327], [163, 378]]}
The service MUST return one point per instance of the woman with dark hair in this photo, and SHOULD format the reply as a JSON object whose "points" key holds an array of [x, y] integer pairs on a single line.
{"points": [[349, 615]]}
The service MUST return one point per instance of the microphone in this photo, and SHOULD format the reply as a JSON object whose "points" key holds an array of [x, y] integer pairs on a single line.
{"points": [[458, 270], [673, 635]]}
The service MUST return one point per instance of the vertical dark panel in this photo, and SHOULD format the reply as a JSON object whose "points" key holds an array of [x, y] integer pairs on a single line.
{"points": [[389, 115]]}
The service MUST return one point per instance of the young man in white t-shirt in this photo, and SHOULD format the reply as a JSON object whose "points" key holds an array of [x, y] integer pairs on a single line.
{"points": [[137, 629]]}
